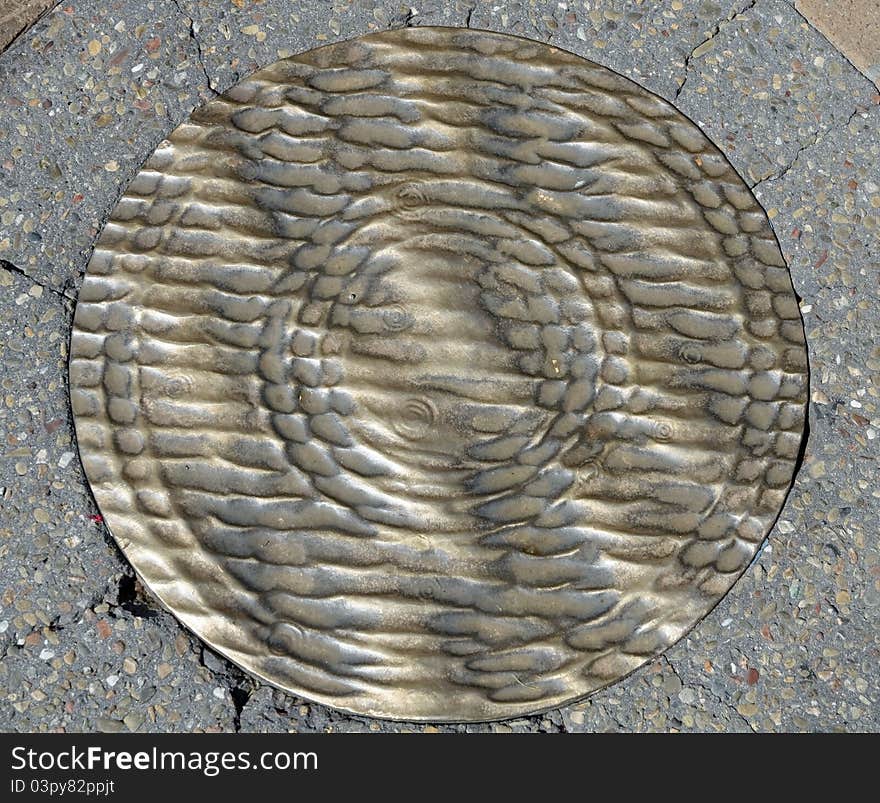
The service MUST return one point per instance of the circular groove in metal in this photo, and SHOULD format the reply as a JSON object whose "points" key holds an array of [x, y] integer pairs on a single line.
{"points": [[438, 375]]}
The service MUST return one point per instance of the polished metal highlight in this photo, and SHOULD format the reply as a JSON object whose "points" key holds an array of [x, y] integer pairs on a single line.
{"points": [[438, 375]]}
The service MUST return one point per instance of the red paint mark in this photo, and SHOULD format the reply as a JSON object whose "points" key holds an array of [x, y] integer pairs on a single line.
{"points": [[752, 677], [97, 518]]}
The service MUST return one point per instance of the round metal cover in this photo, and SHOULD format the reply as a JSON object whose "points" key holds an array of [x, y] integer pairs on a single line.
{"points": [[438, 374]]}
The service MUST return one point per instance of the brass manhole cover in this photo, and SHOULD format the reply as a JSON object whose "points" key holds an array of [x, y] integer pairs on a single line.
{"points": [[438, 375]]}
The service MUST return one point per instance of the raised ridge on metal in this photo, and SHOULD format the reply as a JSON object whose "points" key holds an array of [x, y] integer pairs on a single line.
{"points": [[438, 374]]}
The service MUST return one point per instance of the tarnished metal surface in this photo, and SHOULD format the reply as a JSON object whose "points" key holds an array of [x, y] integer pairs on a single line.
{"points": [[439, 375]]}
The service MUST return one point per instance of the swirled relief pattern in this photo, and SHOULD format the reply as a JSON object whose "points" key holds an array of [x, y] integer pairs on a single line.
{"points": [[438, 374]]}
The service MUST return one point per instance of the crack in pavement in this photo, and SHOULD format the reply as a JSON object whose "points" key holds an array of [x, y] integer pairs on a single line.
{"points": [[13, 268], [239, 687], [200, 54], [816, 138], [709, 692], [716, 29]]}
